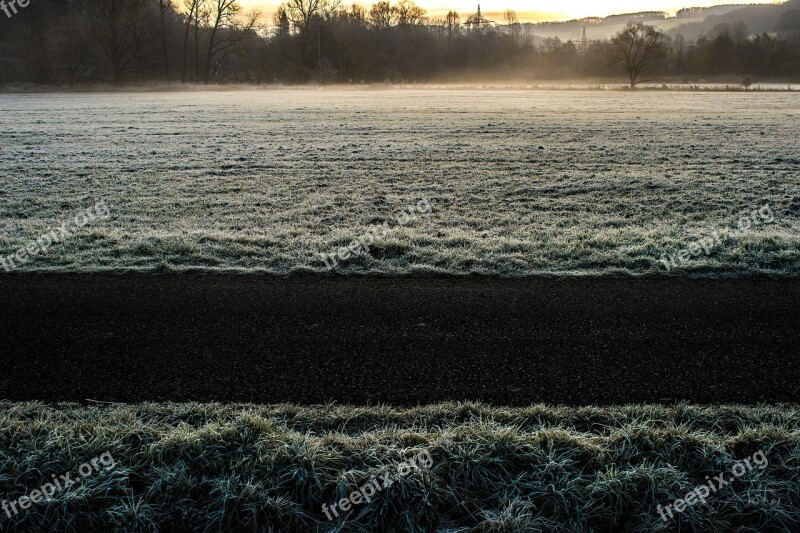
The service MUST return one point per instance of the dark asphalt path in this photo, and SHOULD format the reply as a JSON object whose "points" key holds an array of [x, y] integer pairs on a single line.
{"points": [[402, 341]]}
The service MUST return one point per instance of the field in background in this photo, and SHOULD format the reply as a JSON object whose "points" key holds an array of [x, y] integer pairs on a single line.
{"points": [[520, 182], [209, 467]]}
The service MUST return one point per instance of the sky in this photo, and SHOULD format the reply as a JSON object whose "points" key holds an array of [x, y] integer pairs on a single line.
{"points": [[537, 10]]}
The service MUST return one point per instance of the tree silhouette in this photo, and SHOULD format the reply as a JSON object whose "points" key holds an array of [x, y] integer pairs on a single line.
{"points": [[640, 46], [59, 42]]}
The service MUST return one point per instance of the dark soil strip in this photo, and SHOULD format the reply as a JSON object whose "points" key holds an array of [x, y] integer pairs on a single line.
{"points": [[398, 341]]}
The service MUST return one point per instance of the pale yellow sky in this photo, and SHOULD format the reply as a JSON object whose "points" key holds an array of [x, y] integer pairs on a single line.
{"points": [[541, 9]]}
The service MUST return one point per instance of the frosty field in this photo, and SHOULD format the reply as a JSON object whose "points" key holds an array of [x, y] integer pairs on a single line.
{"points": [[519, 182], [213, 467]]}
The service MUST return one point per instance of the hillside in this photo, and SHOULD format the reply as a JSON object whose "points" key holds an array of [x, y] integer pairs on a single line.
{"points": [[691, 22]]}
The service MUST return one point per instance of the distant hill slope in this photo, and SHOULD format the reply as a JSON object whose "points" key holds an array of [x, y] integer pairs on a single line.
{"points": [[691, 22], [761, 18]]}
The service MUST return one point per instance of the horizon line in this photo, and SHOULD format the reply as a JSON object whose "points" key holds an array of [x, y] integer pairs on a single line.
{"points": [[531, 16]]}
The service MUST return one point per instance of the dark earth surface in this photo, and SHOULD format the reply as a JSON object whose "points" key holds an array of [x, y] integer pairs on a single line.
{"points": [[398, 341]]}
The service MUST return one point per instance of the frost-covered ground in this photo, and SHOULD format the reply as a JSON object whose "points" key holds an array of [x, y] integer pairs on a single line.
{"points": [[520, 182]]}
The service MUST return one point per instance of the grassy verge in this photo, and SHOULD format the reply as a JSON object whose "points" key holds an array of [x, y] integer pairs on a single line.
{"points": [[211, 467]]}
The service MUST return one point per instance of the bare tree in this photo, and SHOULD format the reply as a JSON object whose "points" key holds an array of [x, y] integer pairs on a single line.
{"points": [[281, 22], [409, 13], [357, 14], [121, 33], [223, 13], [514, 27], [383, 15], [302, 12], [639, 47], [164, 6], [452, 23], [192, 7], [75, 46], [201, 14]]}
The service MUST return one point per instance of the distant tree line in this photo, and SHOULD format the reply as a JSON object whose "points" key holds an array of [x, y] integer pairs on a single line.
{"points": [[70, 42]]}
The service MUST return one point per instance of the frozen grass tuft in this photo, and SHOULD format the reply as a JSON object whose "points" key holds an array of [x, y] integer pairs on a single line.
{"points": [[211, 467]]}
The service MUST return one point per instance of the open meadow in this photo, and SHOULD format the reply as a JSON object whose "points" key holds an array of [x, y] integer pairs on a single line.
{"points": [[251, 391], [519, 183]]}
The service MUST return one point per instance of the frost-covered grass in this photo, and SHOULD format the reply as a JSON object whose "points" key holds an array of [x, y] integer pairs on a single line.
{"points": [[210, 467], [521, 182]]}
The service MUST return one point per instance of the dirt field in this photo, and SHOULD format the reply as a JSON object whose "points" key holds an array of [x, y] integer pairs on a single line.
{"points": [[401, 342]]}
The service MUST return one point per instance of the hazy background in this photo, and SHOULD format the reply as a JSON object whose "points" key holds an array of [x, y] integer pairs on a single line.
{"points": [[547, 10]]}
